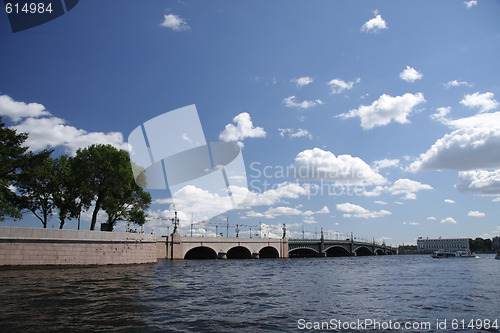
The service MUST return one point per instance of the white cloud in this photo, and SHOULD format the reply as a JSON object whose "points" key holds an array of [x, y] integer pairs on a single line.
{"points": [[292, 133], [496, 200], [386, 109], [479, 182], [274, 212], [408, 188], [317, 164], [411, 223], [441, 114], [463, 149], [456, 83], [244, 129], [448, 220], [352, 210], [338, 85], [482, 120], [470, 4], [52, 132], [303, 81], [449, 201], [18, 110], [476, 214], [385, 163], [410, 74], [291, 102], [381, 202], [432, 218], [374, 25], [485, 102], [175, 23]]}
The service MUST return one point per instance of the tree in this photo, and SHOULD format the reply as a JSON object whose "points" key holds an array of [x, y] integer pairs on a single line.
{"points": [[67, 190], [36, 184], [105, 177], [15, 163], [11, 161]]}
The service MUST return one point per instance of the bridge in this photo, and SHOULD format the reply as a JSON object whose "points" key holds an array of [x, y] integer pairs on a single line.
{"points": [[177, 247], [336, 248]]}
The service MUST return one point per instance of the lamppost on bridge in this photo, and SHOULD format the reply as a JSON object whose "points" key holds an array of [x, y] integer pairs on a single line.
{"points": [[175, 220], [284, 230]]}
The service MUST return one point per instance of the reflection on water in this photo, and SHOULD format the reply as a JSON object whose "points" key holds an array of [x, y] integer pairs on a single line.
{"points": [[248, 295]]}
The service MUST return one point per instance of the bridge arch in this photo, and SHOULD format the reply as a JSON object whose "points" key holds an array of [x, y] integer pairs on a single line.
{"points": [[337, 251], [201, 252], [239, 252], [379, 252], [268, 252], [303, 252], [363, 251]]}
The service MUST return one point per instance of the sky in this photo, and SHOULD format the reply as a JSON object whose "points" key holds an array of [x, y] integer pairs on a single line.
{"points": [[391, 107]]}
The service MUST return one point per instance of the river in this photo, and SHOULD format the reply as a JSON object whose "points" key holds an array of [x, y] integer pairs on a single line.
{"points": [[266, 295]]}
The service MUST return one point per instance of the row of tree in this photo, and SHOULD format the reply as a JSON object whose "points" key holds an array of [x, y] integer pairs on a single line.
{"points": [[98, 177], [481, 245]]}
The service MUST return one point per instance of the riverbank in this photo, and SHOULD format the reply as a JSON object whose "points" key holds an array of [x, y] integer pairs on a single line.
{"points": [[32, 246]]}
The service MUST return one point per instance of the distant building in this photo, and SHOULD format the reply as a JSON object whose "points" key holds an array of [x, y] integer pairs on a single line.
{"points": [[447, 244], [496, 243]]}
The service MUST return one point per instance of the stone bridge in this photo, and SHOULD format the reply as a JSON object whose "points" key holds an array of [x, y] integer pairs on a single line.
{"points": [[336, 248], [178, 247]]}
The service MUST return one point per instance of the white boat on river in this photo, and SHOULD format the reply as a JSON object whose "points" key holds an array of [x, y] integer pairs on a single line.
{"points": [[453, 254]]}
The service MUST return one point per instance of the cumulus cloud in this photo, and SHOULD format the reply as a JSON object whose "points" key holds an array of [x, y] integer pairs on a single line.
{"points": [[432, 218], [463, 149], [449, 201], [19, 110], [374, 25], [470, 4], [479, 182], [292, 133], [303, 81], [408, 187], [448, 220], [352, 210], [410, 74], [386, 109], [203, 204], [456, 83], [53, 132], [244, 128], [338, 85], [476, 214], [274, 212], [175, 23], [291, 102], [484, 102], [441, 114], [318, 164], [385, 163]]}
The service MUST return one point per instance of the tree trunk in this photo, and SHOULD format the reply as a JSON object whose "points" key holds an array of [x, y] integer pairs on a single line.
{"points": [[94, 214]]}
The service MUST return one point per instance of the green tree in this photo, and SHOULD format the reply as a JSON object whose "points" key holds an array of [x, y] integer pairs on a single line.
{"points": [[105, 177], [36, 185], [11, 160], [67, 190]]}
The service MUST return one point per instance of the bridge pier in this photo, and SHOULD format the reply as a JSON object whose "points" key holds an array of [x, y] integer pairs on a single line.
{"points": [[255, 255], [222, 255]]}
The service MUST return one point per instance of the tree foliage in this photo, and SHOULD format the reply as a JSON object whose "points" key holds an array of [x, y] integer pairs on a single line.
{"points": [[99, 176], [109, 183]]}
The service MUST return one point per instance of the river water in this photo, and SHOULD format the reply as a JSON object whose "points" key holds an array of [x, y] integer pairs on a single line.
{"points": [[266, 295]]}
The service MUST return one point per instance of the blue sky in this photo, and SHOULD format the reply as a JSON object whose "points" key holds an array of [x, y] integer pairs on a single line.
{"points": [[402, 96]]}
